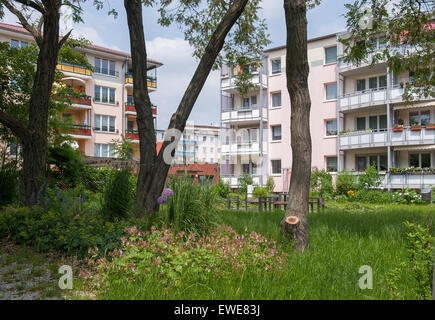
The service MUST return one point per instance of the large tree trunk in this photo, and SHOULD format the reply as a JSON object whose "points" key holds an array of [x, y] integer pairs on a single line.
{"points": [[297, 70], [153, 169], [35, 144]]}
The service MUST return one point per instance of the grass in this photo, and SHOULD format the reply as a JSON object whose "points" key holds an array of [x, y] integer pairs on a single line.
{"points": [[343, 239]]}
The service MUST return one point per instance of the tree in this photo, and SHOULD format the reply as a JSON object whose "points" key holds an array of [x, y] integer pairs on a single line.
{"points": [[206, 30], [33, 133], [408, 27], [295, 223]]}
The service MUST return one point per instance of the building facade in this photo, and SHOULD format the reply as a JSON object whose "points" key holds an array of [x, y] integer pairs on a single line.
{"points": [[358, 118], [104, 111]]}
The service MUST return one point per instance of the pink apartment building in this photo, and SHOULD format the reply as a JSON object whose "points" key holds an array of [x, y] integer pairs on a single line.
{"points": [[366, 100], [105, 111]]}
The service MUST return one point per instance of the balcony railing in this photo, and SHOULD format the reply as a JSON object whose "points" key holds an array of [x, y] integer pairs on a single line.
{"points": [[66, 67], [233, 180], [363, 99], [405, 180], [151, 81], [381, 138], [79, 129], [132, 134], [84, 100], [129, 107], [257, 79]]}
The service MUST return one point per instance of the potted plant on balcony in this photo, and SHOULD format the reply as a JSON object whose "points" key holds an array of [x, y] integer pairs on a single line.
{"points": [[416, 127], [398, 127], [430, 126]]}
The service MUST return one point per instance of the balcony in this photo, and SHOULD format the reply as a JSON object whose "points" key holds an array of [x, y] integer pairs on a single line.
{"points": [[132, 134], [412, 180], [130, 108], [228, 83], [151, 81], [382, 138], [244, 147], [81, 102], [233, 181], [74, 69], [243, 116], [362, 99], [82, 130]]}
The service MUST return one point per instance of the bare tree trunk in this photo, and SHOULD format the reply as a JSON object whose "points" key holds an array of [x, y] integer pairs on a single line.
{"points": [[153, 170], [297, 70]]}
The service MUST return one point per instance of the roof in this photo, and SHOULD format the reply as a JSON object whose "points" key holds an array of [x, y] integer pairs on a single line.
{"points": [[20, 29], [309, 41]]}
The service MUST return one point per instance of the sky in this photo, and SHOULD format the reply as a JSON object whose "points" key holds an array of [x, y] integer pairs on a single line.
{"points": [[166, 44]]}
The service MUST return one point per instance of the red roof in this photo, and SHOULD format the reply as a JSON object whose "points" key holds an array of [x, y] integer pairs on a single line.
{"points": [[159, 146], [20, 29]]}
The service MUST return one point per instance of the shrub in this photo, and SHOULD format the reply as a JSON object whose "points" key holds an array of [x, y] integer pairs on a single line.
{"points": [[222, 189], [245, 180], [370, 178], [270, 185], [345, 182], [9, 184], [118, 196], [407, 196], [372, 196], [263, 191], [321, 183], [171, 258], [190, 209]]}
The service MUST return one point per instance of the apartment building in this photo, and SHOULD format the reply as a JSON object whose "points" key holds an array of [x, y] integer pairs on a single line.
{"points": [[244, 129], [358, 118], [105, 110], [198, 144]]}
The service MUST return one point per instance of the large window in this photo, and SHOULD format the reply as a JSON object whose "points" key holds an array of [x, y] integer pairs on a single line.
{"points": [[105, 66], [420, 160], [360, 123], [276, 99], [104, 123], [276, 133], [331, 55], [331, 91], [419, 117], [104, 95], [276, 166], [331, 127], [360, 84], [379, 161], [361, 163], [104, 150], [276, 66], [331, 164]]}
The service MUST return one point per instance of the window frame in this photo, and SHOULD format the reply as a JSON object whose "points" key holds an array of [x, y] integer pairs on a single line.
{"points": [[326, 55], [326, 91], [275, 138], [272, 167], [326, 128], [272, 66], [280, 99], [98, 127]]}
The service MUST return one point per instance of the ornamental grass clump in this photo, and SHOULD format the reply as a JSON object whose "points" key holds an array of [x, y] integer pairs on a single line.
{"points": [[170, 257]]}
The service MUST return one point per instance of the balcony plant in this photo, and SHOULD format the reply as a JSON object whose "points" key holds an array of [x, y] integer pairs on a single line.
{"points": [[415, 127], [430, 126], [398, 127]]}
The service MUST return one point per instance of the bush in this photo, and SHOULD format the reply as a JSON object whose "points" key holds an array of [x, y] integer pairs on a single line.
{"points": [[190, 208], [370, 178], [407, 196], [9, 184], [118, 196], [270, 185], [345, 182], [245, 180], [263, 191], [321, 183], [372, 196], [221, 189]]}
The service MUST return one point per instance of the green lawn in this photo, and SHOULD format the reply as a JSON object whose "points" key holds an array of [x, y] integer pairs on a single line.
{"points": [[343, 238]]}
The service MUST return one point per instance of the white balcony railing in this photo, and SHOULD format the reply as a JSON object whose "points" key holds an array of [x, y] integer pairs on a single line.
{"points": [[383, 138], [363, 99], [244, 115], [233, 181], [228, 83], [241, 148], [401, 181]]}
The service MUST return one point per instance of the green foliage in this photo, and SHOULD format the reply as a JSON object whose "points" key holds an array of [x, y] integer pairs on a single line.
{"points": [[263, 191], [419, 263], [407, 196], [321, 183], [245, 180], [270, 184], [345, 182], [370, 178], [124, 148], [171, 258], [118, 196], [9, 184], [190, 209], [408, 44], [222, 189], [372, 196]]}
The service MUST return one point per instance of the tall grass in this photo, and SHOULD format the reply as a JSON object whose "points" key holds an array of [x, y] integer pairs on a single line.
{"points": [[341, 242]]}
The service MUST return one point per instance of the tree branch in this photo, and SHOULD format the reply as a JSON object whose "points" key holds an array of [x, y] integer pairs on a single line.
{"points": [[24, 22], [33, 5], [64, 39], [17, 128]]}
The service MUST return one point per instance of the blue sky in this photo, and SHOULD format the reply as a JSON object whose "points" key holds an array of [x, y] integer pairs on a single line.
{"points": [[167, 45]]}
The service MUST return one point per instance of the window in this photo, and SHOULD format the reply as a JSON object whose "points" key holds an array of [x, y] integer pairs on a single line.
{"points": [[413, 117], [383, 123], [105, 66], [104, 95], [15, 43], [331, 128], [420, 160], [245, 104], [382, 82], [104, 150], [204, 138], [104, 123], [331, 55], [276, 133], [331, 91], [14, 149], [254, 102], [373, 83], [425, 117], [276, 66], [276, 99], [383, 163], [331, 164], [24, 44], [425, 160], [360, 123], [360, 84], [276, 166], [373, 122], [130, 125], [361, 163]]}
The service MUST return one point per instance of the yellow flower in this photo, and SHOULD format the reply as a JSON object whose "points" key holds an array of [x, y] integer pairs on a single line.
{"points": [[351, 193]]}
